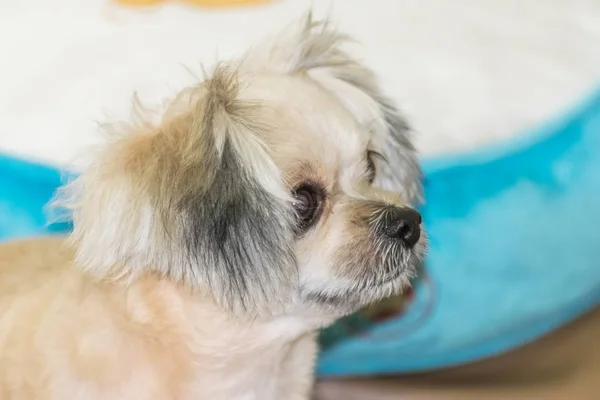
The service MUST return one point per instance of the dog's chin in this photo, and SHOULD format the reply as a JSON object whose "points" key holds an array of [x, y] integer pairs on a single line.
{"points": [[345, 296]]}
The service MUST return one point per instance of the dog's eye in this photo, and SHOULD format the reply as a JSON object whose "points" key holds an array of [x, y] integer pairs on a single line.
{"points": [[308, 204]]}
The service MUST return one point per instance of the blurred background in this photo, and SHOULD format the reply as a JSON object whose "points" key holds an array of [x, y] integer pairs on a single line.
{"points": [[466, 73], [504, 100]]}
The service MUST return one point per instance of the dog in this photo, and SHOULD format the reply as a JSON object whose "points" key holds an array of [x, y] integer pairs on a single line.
{"points": [[210, 246]]}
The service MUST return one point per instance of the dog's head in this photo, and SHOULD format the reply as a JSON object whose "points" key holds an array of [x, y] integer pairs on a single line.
{"points": [[283, 180]]}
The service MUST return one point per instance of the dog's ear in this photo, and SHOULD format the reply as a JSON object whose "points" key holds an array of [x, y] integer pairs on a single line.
{"points": [[316, 49], [237, 220], [196, 199], [355, 86]]}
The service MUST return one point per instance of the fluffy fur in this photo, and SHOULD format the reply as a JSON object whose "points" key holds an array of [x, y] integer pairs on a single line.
{"points": [[187, 275]]}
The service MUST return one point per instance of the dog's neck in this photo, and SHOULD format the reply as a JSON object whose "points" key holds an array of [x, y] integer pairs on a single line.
{"points": [[237, 357]]}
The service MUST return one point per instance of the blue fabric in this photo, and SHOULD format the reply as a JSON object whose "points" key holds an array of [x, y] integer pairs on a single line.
{"points": [[515, 244], [515, 239], [25, 188]]}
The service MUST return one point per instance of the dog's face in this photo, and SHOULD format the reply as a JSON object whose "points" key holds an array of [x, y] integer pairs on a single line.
{"points": [[354, 241], [282, 182]]}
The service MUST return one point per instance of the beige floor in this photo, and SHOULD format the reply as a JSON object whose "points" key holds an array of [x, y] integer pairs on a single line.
{"points": [[563, 365]]}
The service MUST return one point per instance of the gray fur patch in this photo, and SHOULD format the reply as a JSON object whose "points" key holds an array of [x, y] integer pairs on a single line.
{"points": [[236, 238]]}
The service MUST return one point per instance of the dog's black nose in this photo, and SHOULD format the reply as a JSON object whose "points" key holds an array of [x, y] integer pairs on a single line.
{"points": [[403, 224]]}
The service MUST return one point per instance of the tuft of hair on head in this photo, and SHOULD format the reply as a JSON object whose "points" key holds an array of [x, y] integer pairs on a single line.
{"points": [[195, 199], [316, 49]]}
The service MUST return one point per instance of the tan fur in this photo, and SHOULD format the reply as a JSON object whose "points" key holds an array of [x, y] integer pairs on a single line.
{"points": [[63, 335], [185, 276]]}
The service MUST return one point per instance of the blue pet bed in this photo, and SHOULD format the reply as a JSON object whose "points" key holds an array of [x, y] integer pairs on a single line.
{"points": [[515, 244]]}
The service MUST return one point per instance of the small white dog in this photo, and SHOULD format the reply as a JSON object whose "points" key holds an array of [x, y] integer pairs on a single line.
{"points": [[272, 198]]}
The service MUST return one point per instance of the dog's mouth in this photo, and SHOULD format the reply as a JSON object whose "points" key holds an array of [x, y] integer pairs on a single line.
{"points": [[368, 274], [365, 289]]}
